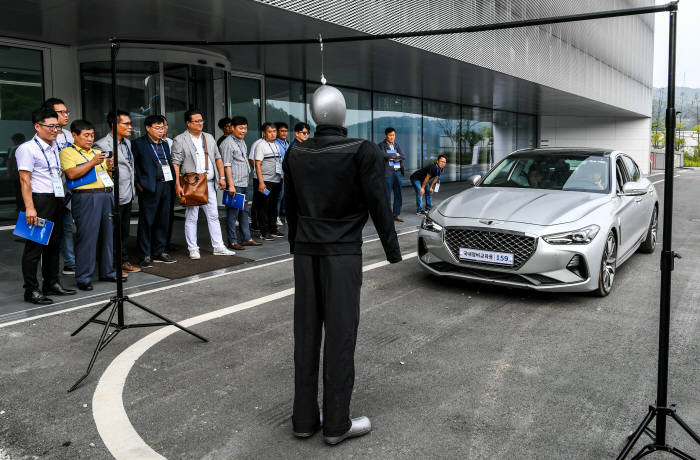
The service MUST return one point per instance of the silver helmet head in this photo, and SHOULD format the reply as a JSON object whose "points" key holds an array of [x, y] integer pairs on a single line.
{"points": [[328, 106]]}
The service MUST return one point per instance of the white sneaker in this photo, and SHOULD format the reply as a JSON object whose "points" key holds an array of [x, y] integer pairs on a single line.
{"points": [[194, 254], [223, 252], [279, 222]]}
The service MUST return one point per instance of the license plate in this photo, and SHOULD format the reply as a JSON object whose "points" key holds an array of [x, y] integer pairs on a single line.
{"points": [[477, 255]]}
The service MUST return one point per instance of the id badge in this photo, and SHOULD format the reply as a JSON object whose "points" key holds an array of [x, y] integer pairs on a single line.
{"points": [[104, 177], [397, 165], [167, 174], [57, 186], [436, 188], [278, 167]]}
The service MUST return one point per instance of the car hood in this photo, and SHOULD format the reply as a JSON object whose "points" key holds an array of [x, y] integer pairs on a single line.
{"points": [[539, 207]]}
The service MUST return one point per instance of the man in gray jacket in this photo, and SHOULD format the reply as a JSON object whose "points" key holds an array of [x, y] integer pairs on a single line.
{"points": [[126, 177], [190, 153]]}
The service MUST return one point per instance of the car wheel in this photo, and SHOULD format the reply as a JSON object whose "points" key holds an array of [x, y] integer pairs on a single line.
{"points": [[608, 265], [649, 244]]}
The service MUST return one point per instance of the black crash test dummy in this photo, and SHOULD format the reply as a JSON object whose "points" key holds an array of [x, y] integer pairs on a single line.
{"points": [[332, 184]]}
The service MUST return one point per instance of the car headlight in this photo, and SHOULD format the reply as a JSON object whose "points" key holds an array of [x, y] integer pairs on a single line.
{"points": [[581, 236], [430, 225]]}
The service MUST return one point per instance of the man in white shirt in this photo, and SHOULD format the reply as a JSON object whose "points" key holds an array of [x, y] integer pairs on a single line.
{"points": [[43, 194], [64, 139], [195, 151]]}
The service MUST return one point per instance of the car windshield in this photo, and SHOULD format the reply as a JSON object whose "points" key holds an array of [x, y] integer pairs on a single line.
{"points": [[578, 172]]}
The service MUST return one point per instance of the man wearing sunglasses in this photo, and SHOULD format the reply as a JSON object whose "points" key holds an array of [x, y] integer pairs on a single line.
{"points": [[39, 169]]}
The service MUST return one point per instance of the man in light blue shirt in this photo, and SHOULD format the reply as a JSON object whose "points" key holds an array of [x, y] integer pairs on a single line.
{"points": [[283, 144]]}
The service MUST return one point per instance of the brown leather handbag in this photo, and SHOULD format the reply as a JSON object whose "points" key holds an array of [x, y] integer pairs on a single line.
{"points": [[194, 185]]}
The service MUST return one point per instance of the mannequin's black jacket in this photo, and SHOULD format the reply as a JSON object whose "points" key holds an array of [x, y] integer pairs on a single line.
{"points": [[332, 183]]}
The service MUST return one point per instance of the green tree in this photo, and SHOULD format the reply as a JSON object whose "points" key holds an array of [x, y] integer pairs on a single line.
{"points": [[657, 139]]}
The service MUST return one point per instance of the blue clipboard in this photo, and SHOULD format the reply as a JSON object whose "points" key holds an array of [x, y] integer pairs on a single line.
{"points": [[40, 233], [237, 201], [88, 178]]}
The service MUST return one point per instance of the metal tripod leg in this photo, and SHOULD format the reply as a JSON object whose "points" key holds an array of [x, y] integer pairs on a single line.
{"points": [[167, 320], [99, 343], [685, 426], [635, 437], [99, 312]]}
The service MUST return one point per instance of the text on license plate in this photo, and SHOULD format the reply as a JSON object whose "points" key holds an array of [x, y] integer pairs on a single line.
{"points": [[477, 255]]}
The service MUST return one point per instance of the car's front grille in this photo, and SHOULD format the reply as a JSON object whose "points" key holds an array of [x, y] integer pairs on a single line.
{"points": [[522, 247]]}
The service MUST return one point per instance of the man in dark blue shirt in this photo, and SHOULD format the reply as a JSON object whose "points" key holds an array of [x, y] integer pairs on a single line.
{"points": [[393, 170], [421, 178]]}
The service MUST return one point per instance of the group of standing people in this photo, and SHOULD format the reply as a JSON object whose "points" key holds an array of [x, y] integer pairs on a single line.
{"points": [[66, 177]]}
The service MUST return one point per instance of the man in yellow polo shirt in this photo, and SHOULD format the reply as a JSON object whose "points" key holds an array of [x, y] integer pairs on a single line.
{"points": [[87, 173]]}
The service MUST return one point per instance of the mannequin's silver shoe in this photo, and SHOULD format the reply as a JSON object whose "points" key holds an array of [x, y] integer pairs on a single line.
{"points": [[308, 434], [328, 106], [360, 427]]}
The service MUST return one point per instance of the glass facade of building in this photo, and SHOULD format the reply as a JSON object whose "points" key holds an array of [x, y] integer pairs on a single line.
{"points": [[472, 138], [21, 91]]}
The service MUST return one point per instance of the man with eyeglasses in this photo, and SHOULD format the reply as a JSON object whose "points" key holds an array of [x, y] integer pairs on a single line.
{"points": [[126, 177], [64, 139], [43, 195], [173, 197], [154, 178], [195, 151], [283, 144], [93, 203]]}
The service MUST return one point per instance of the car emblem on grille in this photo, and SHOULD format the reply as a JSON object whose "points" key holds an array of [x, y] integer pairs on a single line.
{"points": [[490, 222]]}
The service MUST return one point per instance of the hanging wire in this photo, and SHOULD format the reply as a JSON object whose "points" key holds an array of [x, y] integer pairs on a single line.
{"points": [[323, 77]]}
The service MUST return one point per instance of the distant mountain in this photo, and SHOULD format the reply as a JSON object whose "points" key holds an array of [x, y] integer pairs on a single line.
{"points": [[687, 102]]}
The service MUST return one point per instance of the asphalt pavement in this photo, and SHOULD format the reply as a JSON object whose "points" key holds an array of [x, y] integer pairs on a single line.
{"points": [[444, 368]]}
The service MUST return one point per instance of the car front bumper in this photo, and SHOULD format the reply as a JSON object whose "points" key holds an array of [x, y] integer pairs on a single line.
{"points": [[545, 270]]}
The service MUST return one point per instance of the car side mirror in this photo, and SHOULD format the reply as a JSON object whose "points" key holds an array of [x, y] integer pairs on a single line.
{"points": [[475, 179], [634, 189]]}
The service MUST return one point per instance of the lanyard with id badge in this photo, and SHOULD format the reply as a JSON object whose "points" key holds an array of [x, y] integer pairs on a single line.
{"points": [[167, 174], [396, 164], [55, 172], [278, 159]]}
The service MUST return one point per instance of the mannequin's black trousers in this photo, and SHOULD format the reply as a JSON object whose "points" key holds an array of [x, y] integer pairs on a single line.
{"points": [[327, 297]]}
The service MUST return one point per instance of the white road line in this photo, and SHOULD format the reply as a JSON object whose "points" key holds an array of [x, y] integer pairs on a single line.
{"points": [[111, 419], [654, 183], [163, 288]]}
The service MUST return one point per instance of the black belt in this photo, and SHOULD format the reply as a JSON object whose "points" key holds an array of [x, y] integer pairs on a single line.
{"points": [[93, 190]]}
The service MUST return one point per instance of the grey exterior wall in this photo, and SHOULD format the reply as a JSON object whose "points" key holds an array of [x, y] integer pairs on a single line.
{"points": [[607, 60]]}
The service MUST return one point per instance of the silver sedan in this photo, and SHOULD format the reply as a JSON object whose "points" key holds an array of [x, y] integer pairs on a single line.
{"points": [[549, 219]]}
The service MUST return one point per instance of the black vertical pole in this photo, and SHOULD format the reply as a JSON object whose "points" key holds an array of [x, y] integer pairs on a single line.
{"points": [[116, 221], [667, 255]]}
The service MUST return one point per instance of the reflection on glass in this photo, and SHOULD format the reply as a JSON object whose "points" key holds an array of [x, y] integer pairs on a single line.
{"points": [[526, 131], [244, 100], [138, 93], [441, 136], [504, 134], [358, 119], [21, 92], [176, 82], [404, 115], [284, 101], [476, 141]]}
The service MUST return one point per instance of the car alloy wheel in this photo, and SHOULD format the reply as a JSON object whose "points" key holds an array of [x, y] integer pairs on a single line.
{"points": [[649, 243], [608, 264]]}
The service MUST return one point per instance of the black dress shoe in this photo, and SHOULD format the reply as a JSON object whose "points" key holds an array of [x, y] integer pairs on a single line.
{"points": [[37, 298], [112, 280], [85, 286], [57, 289]]}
